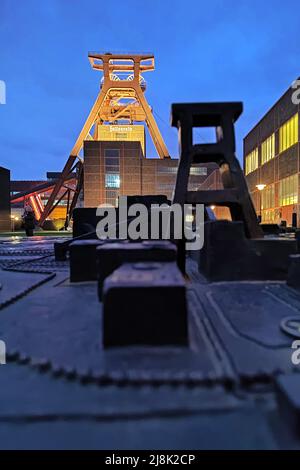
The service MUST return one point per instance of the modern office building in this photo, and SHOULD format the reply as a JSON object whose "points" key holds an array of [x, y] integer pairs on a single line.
{"points": [[272, 162]]}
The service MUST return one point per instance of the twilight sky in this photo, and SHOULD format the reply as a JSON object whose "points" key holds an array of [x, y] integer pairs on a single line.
{"points": [[204, 50]]}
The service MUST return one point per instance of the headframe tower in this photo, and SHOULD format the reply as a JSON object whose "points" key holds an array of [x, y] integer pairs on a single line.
{"points": [[120, 99]]}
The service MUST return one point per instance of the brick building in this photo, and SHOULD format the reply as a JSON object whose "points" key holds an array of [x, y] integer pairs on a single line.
{"points": [[117, 168], [271, 159]]}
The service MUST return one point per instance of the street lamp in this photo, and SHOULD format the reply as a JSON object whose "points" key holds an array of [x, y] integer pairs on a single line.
{"points": [[260, 187], [13, 222], [14, 218]]}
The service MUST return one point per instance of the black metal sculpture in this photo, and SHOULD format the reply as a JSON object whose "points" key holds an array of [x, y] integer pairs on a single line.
{"points": [[235, 194]]}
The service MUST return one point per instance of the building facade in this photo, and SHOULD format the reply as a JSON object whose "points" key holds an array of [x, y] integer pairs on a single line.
{"points": [[272, 162], [119, 168], [5, 220]]}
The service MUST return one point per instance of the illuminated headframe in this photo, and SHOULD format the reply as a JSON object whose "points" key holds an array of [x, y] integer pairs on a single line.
{"points": [[120, 100], [122, 92]]}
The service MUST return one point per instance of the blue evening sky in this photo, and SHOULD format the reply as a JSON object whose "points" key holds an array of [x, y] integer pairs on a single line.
{"points": [[204, 50]]}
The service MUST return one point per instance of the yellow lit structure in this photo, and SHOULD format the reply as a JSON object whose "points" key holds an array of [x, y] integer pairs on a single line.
{"points": [[122, 132], [251, 161], [288, 133], [288, 190], [268, 149], [121, 100]]}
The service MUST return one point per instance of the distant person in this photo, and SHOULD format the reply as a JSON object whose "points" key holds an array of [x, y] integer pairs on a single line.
{"points": [[28, 220]]}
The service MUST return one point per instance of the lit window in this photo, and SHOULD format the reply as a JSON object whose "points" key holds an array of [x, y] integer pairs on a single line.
{"points": [[168, 186], [112, 180], [288, 190], [288, 133], [268, 197], [251, 161], [200, 170], [269, 217], [167, 169], [268, 149]]}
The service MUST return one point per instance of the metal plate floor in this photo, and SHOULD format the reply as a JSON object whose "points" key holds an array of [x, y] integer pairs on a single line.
{"points": [[60, 389]]}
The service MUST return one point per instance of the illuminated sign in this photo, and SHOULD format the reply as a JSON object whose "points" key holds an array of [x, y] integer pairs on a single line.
{"points": [[120, 129]]}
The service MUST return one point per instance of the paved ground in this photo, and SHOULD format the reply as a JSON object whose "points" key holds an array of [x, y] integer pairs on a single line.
{"points": [[60, 389]]}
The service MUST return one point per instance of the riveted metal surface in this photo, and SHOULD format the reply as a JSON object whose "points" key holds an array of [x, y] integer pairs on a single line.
{"points": [[60, 384]]}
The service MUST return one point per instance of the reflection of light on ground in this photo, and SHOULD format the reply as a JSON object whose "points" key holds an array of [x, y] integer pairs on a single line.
{"points": [[15, 239]]}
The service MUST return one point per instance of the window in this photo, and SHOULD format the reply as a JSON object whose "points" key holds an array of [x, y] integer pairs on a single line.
{"points": [[112, 180], [251, 161], [112, 153], [112, 175], [288, 190], [111, 197], [166, 186], [111, 161], [288, 133], [173, 170], [200, 170], [269, 217], [268, 149], [268, 197], [112, 169], [167, 169]]}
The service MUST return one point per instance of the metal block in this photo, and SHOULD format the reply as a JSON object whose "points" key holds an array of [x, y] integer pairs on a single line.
{"points": [[223, 251], [112, 255], [293, 278], [84, 220], [287, 391], [83, 260], [145, 304], [297, 237], [147, 200], [273, 257], [60, 251], [228, 255], [270, 229]]}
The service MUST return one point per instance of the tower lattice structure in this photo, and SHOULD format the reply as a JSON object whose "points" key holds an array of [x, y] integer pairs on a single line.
{"points": [[121, 99]]}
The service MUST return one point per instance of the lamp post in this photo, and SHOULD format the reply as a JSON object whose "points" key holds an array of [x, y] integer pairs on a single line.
{"points": [[260, 187], [13, 222], [14, 219]]}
